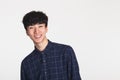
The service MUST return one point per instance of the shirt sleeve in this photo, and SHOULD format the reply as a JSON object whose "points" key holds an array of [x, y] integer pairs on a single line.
{"points": [[73, 68], [22, 73]]}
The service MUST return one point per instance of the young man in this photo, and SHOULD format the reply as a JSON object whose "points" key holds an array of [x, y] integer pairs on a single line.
{"points": [[49, 60]]}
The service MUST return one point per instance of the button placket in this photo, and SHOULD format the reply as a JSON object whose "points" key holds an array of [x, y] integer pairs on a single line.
{"points": [[44, 64]]}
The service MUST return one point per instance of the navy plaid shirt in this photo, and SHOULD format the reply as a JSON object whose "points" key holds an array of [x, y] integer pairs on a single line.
{"points": [[56, 62]]}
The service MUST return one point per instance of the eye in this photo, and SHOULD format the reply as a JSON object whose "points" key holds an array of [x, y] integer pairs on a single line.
{"points": [[30, 27], [40, 26]]}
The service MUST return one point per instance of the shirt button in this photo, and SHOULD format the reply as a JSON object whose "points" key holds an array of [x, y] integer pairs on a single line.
{"points": [[45, 72], [44, 61]]}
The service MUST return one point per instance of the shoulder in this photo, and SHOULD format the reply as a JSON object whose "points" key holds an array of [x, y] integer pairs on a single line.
{"points": [[28, 57], [64, 50], [61, 47]]}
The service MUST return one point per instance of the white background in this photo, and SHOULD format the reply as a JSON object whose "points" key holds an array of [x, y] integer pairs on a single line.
{"points": [[91, 27]]}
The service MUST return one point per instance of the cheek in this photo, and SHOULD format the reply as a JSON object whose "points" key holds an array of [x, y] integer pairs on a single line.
{"points": [[44, 31], [29, 33]]}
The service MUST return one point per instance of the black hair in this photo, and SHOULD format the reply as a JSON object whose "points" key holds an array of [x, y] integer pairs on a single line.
{"points": [[34, 17]]}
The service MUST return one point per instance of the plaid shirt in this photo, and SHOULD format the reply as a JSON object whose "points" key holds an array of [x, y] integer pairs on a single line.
{"points": [[56, 62]]}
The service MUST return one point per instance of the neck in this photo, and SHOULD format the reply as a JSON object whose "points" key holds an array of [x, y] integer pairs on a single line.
{"points": [[41, 46]]}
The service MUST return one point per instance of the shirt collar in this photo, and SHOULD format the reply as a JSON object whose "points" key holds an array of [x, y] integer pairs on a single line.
{"points": [[46, 50]]}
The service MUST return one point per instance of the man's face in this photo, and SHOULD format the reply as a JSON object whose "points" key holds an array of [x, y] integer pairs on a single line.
{"points": [[37, 32]]}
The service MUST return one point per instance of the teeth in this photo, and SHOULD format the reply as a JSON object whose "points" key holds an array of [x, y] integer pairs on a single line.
{"points": [[37, 36]]}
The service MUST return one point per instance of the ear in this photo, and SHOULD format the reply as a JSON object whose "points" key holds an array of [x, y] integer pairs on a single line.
{"points": [[27, 33], [46, 29]]}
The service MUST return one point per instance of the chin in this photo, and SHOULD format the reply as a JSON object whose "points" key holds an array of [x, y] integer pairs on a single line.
{"points": [[38, 41]]}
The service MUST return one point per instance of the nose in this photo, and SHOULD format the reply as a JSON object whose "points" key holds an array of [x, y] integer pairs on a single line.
{"points": [[36, 30]]}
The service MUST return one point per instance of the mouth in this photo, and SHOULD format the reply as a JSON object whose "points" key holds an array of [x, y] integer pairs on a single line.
{"points": [[37, 36]]}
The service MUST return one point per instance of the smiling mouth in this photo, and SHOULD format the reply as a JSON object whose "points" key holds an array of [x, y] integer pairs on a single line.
{"points": [[38, 36]]}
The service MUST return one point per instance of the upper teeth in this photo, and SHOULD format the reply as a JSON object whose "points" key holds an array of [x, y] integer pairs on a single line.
{"points": [[37, 36]]}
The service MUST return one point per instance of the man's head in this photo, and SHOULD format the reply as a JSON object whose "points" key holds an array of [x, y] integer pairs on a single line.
{"points": [[35, 17], [35, 23]]}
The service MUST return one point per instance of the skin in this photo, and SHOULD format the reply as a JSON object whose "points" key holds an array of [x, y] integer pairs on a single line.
{"points": [[37, 33]]}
